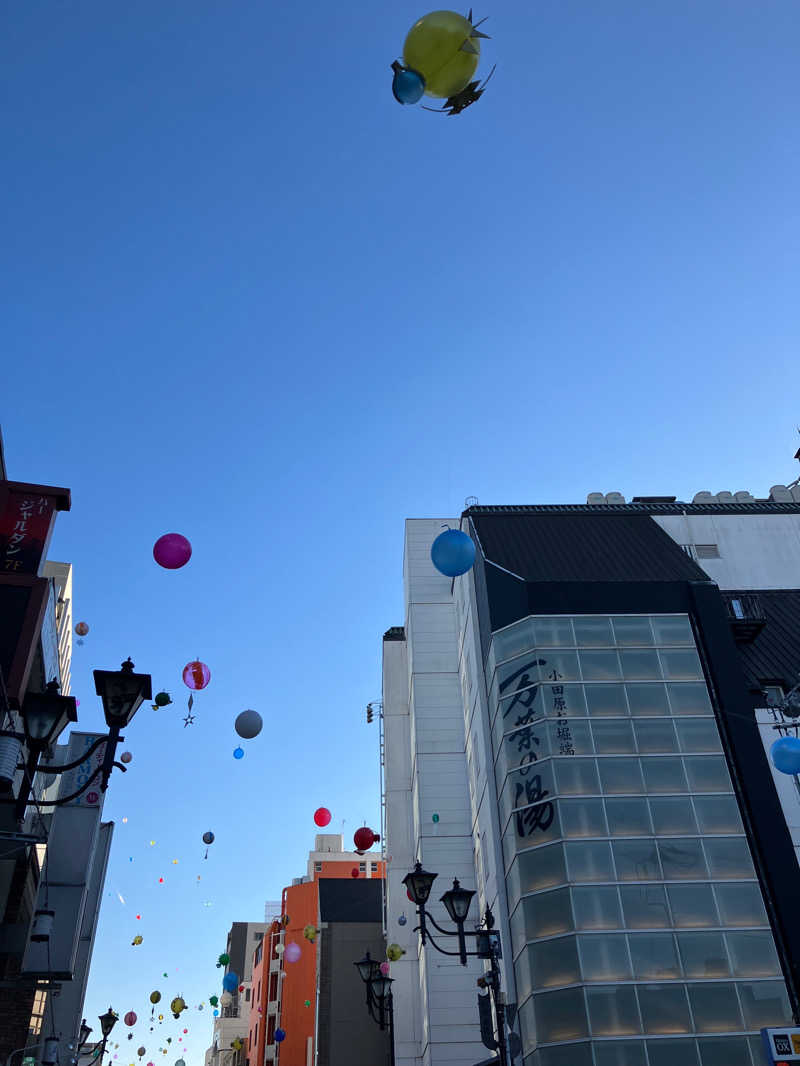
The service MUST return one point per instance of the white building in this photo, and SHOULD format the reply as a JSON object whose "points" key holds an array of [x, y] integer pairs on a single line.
{"points": [[628, 666]]}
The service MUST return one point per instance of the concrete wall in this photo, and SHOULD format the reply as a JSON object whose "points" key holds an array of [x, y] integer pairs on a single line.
{"points": [[347, 1034], [436, 1019], [758, 551]]}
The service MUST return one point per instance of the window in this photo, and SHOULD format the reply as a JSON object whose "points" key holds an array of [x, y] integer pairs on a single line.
{"points": [[560, 1016], [664, 1009], [628, 817], [773, 693], [703, 955], [362, 867], [373, 867], [715, 1007], [318, 867], [654, 955], [604, 958], [692, 906], [596, 907], [740, 904], [612, 1010], [645, 906]]}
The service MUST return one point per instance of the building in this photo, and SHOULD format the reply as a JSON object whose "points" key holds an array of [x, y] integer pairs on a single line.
{"points": [[318, 999], [572, 729], [33, 651], [231, 1025]]}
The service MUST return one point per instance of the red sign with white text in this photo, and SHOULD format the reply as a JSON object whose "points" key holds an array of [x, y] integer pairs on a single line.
{"points": [[26, 522]]}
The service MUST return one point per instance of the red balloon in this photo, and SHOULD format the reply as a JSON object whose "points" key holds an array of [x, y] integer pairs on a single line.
{"points": [[364, 838], [322, 816], [196, 675], [354, 872], [172, 551], [130, 1018]]}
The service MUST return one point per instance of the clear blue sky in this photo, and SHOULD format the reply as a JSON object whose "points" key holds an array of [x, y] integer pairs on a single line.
{"points": [[248, 297]]}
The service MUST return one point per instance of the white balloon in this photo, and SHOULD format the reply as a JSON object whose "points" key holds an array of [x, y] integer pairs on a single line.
{"points": [[279, 949], [248, 724]]}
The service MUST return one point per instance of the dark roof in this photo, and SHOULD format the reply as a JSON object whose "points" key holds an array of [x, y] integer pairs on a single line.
{"points": [[395, 633], [773, 655], [755, 507], [582, 546]]}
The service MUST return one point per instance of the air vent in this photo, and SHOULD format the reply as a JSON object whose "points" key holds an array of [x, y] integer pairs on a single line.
{"points": [[707, 551]]}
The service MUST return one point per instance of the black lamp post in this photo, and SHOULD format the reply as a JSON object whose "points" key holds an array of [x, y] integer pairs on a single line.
{"points": [[107, 1023], [379, 997], [457, 902], [46, 714]]}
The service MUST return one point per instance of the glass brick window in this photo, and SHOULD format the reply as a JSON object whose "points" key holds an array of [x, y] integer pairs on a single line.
{"points": [[639, 934]]}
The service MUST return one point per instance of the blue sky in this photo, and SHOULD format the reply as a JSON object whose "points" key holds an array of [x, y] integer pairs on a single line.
{"points": [[249, 298]]}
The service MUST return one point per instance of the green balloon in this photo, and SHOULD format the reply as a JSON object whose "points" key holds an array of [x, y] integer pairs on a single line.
{"points": [[213, 1000], [436, 818]]}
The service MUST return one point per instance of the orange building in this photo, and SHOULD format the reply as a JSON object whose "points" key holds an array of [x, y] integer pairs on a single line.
{"points": [[297, 994]]}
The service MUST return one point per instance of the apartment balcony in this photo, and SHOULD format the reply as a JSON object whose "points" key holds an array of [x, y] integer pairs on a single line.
{"points": [[272, 1007], [746, 616], [269, 1053]]}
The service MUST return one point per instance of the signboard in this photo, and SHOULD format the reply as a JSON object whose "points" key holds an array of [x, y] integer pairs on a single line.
{"points": [[27, 513], [72, 850], [76, 778], [23, 603], [49, 636], [781, 1045]]}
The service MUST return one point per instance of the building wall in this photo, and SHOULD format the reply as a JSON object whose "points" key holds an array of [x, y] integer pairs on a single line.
{"points": [[348, 1036], [436, 1018], [758, 551]]}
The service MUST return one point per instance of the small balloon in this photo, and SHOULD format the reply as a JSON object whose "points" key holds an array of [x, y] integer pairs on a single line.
{"points": [[435, 819], [248, 724], [280, 1036], [213, 1000], [130, 1018], [230, 981], [155, 997], [163, 699], [308, 1003], [216, 1014], [226, 999], [402, 920], [310, 933], [126, 757], [141, 1051], [354, 872], [238, 753], [223, 960], [279, 949], [293, 952], [384, 968], [785, 754], [394, 952], [364, 838], [453, 553], [81, 629], [208, 838], [172, 551], [125, 821], [322, 816], [137, 940], [196, 675]]}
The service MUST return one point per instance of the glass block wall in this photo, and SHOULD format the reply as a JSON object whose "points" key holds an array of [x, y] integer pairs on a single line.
{"points": [[638, 929]]}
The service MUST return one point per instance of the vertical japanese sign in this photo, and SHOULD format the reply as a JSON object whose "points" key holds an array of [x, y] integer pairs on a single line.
{"points": [[528, 787], [26, 522], [76, 778]]}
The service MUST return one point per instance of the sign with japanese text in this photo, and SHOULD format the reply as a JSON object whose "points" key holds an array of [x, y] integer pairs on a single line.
{"points": [[76, 778], [26, 522]]}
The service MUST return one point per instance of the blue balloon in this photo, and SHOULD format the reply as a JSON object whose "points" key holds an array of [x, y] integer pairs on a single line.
{"points": [[238, 753], [230, 982], [402, 920], [407, 85], [280, 1036], [453, 553], [216, 1014], [786, 755]]}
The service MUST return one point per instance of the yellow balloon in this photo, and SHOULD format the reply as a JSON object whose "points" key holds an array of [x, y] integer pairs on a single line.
{"points": [[441, 47]]}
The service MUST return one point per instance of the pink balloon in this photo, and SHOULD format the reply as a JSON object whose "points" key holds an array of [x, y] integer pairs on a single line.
{"points": [[172, 551], [130, 1018], [196, 675], [322, 816], [385, 969], [292, 952]]}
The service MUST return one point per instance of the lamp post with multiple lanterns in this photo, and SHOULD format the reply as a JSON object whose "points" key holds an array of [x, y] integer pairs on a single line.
{"points": [[379, 997], [457, 901], [46, 714]]}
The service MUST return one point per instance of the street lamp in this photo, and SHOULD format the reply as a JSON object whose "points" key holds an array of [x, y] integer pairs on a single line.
{"points": [[379, 997], [457, 902], [46, 714], [107, 1023]]}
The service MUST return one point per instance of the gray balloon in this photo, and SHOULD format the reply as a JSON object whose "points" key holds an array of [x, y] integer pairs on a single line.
{"points": [[248, 724]]}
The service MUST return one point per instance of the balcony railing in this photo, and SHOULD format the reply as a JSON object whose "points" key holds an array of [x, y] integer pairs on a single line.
{"points": [[746, 616]]}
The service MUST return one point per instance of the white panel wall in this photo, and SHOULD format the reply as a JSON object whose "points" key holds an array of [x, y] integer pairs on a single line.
{"points": [[436, 1016], [758, 551]]}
